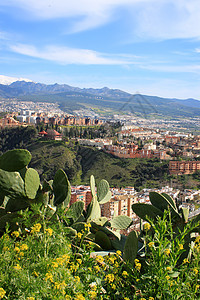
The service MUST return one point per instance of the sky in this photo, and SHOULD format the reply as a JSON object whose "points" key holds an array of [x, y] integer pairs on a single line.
{"points": [[150, 47]]}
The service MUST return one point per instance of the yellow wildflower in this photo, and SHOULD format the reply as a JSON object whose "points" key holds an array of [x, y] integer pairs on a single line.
{"points": [[79, 261], [17, 267], [196, 288], [147, 226], [24, 247], [151, 244], [124, 274], [180, 247], [68, 297], [167, 251], [80, 297], [113, 286], [185, 261], [35, 274], [30, 298], [54, 264], [151, 298], [167, 277], [15, 234], [36, 228], [119, 253], [169, 269], [197, 240], [17, 249], [138, 266], [2, 293], [49, 231], [195, 271], [110, 278], [93, 294], [79, 235], [136, 261], [77, 279], [99, 258], [96, 268], [49, 276]]}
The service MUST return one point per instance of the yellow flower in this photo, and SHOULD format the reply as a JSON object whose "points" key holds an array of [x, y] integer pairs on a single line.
{"points": [[24, 247], [30, 298], [93, 294], [96, 268], [151, 244], [79, 235], [167, 251], [151, 298], [119, 253], [136, 261], [17, 267], [185, 261], [68, 297], [142, 299], [54, 264], [195, 271], [2, 293], [124, 274], [196, 288], [99, 258], [49, 276], [80, 297], [197, 240], [15, 234], [147, 226], [49, 231], [138, 266], [113, 286], [180, 247], [110, 278], [36, 228], [169, 269], [35, 274], [167, 277], [17, 249], [77, 279], [79, 261]]}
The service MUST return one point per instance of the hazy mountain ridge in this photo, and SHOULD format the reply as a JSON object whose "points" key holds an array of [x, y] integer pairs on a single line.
{"points": [[115, 99]]}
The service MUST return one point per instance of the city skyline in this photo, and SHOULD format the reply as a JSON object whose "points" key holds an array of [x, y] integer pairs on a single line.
{"points": [[149, 46]]}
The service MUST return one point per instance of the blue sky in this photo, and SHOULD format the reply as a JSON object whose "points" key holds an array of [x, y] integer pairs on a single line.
{"points": [[146, 46]]}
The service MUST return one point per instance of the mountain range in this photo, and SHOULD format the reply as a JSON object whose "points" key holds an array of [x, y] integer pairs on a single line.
{"points": [[112, 100]]}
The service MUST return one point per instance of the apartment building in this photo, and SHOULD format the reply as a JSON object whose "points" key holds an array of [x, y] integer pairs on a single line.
{"points": [[183, 167]]}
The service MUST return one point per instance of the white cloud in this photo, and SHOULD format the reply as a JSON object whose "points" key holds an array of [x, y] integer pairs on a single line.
{"points": [[160, 19], [65, 55]]}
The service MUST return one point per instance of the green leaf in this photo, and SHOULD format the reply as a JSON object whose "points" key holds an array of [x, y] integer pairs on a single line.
{"points": [[94, 210], [131, 247], [61, 188], [15, 160], [92, 186], [146, 211], [169, 198], [11, 184], [121, 222], [32, 182], [75, 210], [102, 190], [160, 202]]}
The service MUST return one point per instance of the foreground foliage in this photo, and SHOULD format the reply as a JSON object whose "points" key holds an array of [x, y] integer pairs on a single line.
{"points": [[39, 262]]}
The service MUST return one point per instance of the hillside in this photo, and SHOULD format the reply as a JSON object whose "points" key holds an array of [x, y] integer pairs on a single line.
{"points": [[73, 98]]}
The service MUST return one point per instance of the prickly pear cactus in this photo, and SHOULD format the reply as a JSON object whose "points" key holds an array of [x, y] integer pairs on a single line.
{"points": [[32, 182], [15, 160], [131, 247]]}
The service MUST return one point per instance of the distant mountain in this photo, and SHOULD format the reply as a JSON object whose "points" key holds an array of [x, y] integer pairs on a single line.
{"points": [[9, 80], [72, 98]]}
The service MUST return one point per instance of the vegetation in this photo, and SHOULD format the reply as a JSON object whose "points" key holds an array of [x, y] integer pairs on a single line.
{"points": [[47, 249]]}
